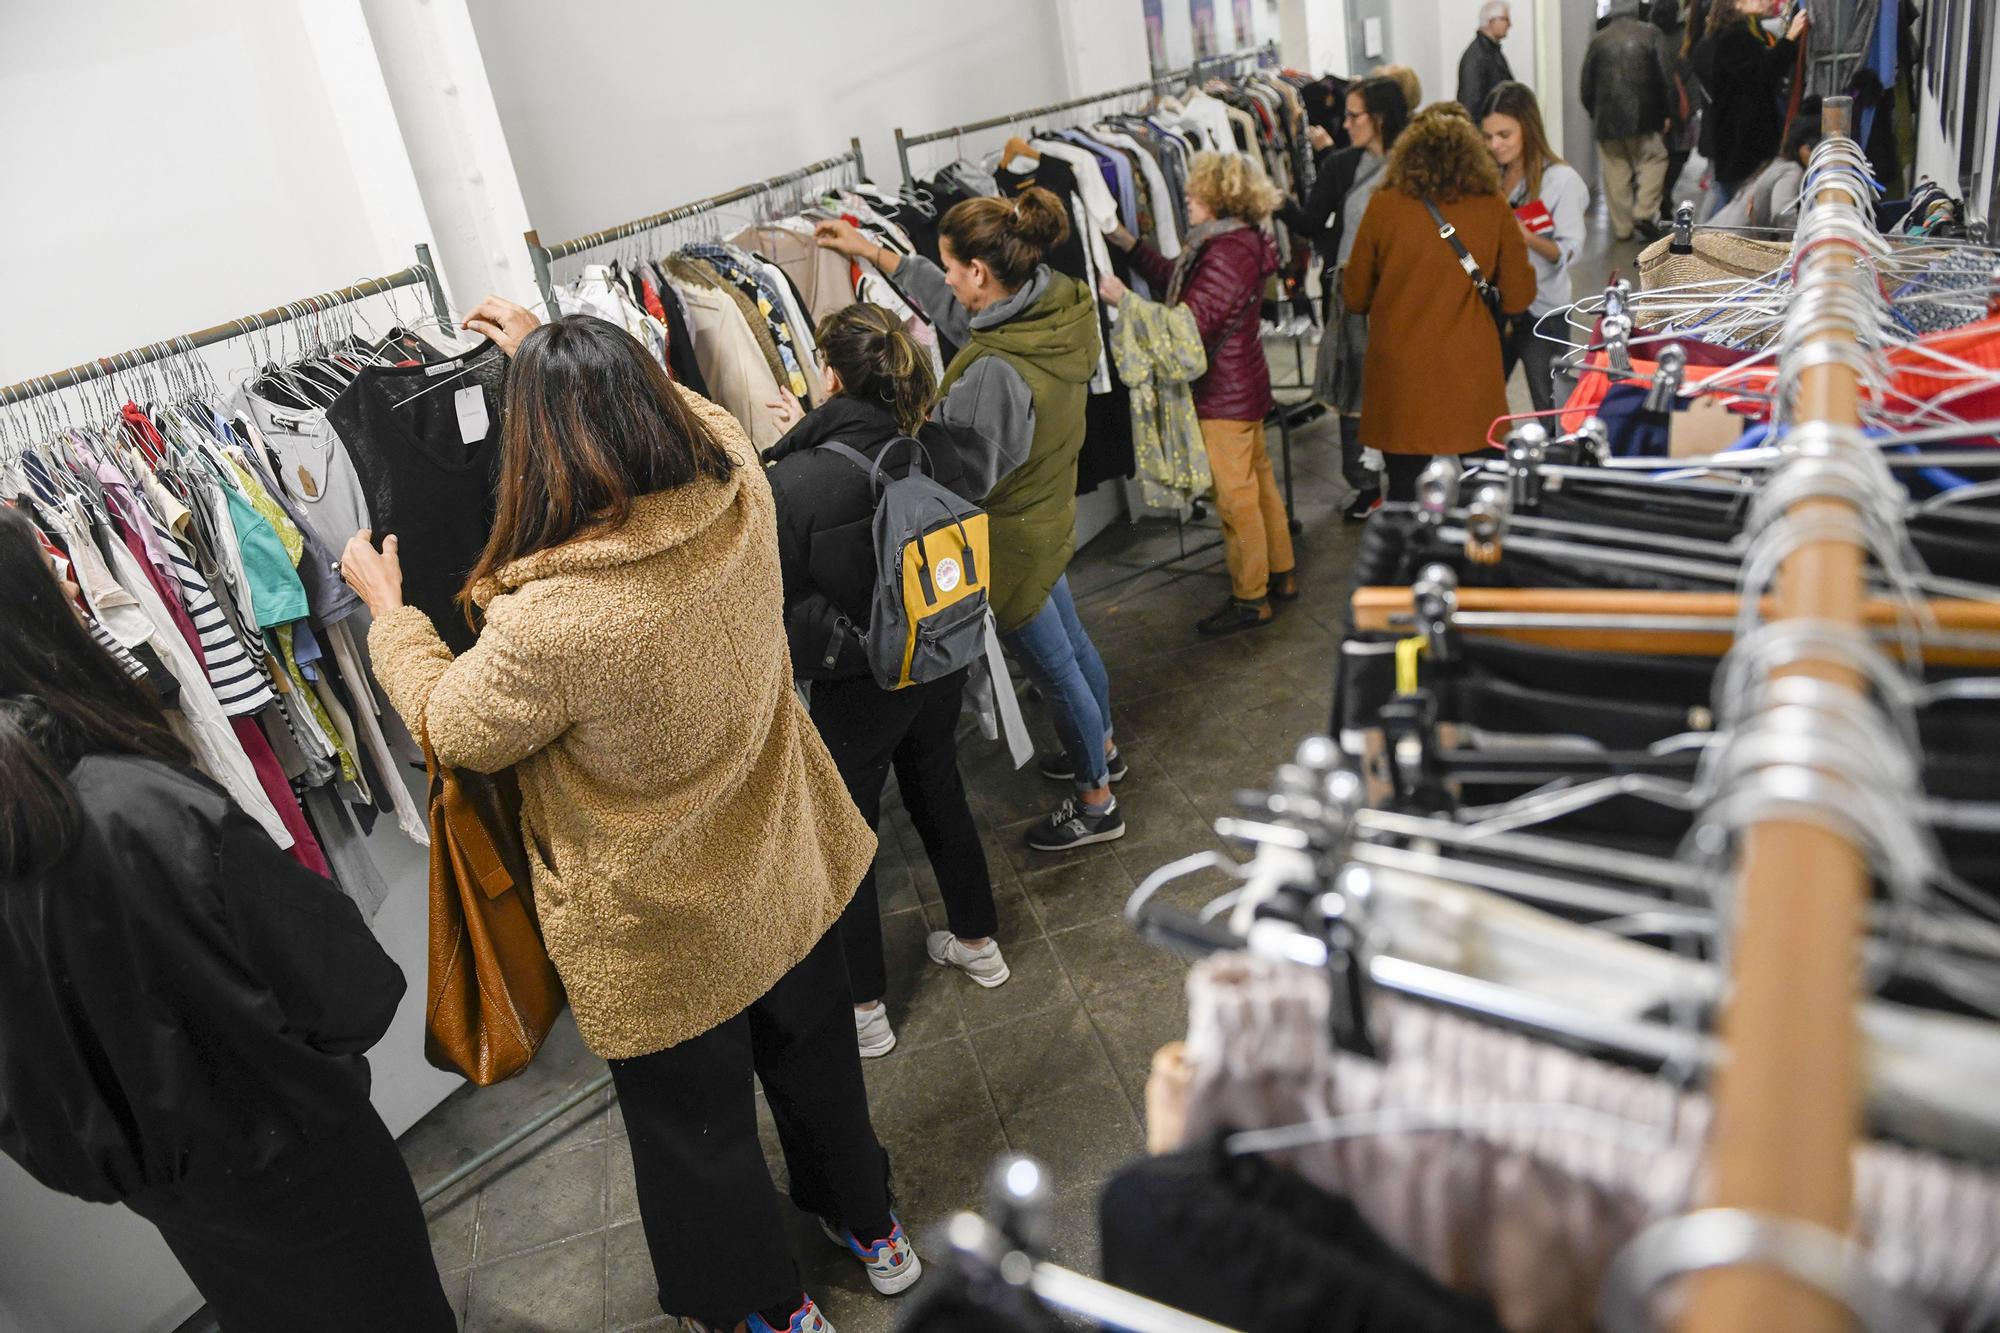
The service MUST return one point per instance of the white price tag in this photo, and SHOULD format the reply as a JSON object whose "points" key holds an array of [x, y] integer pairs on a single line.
{"points": [[471, 404]]}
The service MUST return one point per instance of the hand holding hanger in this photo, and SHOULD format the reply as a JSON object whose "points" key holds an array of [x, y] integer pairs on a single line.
{"points": [[502, 321]]}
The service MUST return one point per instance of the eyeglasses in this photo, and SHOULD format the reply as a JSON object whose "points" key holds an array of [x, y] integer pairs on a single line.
{"points": [[1353, 116]]}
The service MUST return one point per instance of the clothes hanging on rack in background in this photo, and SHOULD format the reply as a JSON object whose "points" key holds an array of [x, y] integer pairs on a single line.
{"points": [[735, 319], [200, 532]]}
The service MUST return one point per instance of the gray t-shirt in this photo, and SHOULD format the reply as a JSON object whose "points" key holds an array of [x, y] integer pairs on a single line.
{"points": [[312, 466]]}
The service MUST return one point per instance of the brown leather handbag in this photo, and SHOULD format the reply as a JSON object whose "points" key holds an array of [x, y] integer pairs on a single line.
{"points": [[493, 994]]}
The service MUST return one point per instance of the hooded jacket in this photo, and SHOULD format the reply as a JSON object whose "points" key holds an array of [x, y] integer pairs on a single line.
{"points": [[180, 1001], [687, 833], [1052, 347], [1627, 82], [826, 520], [1225, 290]]}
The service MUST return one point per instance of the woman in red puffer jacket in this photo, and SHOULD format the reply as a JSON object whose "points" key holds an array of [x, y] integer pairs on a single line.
{"points": [[1220, 275]]}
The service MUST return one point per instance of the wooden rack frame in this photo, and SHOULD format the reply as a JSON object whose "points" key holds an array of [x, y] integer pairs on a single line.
{"points": [[1788, 1096]]}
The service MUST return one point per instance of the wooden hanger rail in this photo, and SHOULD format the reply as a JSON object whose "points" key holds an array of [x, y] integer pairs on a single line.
{"points": [[1668, 624]]}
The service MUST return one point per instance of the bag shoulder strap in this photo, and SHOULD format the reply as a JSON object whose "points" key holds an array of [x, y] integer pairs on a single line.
{"points": [[920, 458], [1449, 233]]}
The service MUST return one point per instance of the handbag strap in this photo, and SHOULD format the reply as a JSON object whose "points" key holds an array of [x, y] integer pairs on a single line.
{"points": [[1449, 233]]}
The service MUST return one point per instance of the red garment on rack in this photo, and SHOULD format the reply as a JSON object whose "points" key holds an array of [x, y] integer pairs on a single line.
{"points": [[305, 848]]}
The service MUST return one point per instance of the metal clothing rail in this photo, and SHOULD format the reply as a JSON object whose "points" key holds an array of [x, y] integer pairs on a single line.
{"points": [[544, 257], [1200, 69], [422, 272]]}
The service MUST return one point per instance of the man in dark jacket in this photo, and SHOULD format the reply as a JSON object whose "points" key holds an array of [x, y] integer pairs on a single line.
{"points": [[1627, 86], [1484, 65]]}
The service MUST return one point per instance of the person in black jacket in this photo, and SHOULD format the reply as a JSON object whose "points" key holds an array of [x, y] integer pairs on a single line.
{"points": [[1743, 69], [185, 1010], [880, 386], [1375, 115], [1484, 65]]}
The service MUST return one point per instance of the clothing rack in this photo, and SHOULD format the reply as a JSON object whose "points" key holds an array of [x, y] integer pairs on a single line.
{"points": [[422, 272], [544, 257], [905, 142], [1787, 1099]]}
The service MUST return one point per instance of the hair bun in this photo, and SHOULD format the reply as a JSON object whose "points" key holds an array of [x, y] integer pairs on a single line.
{"points": [[1040, 219]]}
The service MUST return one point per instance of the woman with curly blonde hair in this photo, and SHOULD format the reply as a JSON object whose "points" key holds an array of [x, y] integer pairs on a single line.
{"points": [[1219, 277], [1432, 382]]}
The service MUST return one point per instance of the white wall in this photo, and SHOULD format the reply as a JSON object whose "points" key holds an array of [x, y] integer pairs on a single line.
{"points": [[1451, 25], [171, 164], [643, 106]]}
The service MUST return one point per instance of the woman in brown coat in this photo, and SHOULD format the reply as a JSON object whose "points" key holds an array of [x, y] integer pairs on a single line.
{"points": [[1432, 382], [690, 840]]}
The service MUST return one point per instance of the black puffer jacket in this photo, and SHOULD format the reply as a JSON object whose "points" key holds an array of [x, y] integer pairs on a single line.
{"points": [[826, 512], [179, 1000]]}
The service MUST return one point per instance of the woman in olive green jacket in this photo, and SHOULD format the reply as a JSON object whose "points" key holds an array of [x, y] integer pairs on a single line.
{"points": [[1029, 345]]}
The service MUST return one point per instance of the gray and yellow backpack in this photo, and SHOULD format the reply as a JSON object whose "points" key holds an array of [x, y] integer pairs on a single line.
{"points": [[927, 618]]}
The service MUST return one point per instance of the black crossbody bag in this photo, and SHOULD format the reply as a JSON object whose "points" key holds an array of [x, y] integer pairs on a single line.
{"points": [[1487, 291]]}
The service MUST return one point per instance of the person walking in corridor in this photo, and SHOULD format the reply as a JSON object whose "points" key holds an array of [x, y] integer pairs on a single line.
{"points": [[1484, 65], [1627, 86]]}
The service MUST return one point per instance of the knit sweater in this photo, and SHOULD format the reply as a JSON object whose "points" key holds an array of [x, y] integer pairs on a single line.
{"points": [[688, 835]]}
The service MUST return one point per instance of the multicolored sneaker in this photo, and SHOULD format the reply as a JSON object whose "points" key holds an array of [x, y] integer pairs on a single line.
{"points": [[892, 1264], [805, 1319]]}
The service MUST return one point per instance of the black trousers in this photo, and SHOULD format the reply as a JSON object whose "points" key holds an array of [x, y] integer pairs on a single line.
{"points": [[712, 1218], [329, 1239], [868, 730], [1523, 345]]}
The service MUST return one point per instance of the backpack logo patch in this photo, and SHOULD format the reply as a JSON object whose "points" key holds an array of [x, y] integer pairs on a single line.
{"points": [[947, 575]]}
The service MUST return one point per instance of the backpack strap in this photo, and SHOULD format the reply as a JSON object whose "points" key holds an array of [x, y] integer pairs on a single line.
{"points": [[921, 459]]}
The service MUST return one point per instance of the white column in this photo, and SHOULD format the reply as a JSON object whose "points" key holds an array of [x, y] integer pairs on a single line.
{"points": [[365, 119], [451, 129], [1548, 63]]}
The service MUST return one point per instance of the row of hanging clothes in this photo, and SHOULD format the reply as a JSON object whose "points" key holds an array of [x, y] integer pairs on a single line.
{"points": [[1454, 1022], [1123, 160], [728, 293], [201, 521]]}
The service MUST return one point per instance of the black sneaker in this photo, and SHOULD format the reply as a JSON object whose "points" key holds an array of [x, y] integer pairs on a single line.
{"points": [[1363, 504], [1056, 766], [1072, 826], [1235, 615]]}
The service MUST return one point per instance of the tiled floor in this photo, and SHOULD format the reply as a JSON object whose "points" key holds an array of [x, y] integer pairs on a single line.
{"points": [[1054, 1062]]}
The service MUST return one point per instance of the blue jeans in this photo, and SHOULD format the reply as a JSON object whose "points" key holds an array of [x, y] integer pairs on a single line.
{"points": [[1061, 659]]}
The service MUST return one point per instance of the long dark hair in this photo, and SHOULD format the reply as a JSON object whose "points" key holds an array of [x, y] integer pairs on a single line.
{"points": [[592, 423], [61, 698], [877, 360], [1382, 98]]}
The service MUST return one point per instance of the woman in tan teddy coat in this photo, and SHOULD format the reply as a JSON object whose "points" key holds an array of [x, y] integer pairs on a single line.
{"points": [[690, 839]]}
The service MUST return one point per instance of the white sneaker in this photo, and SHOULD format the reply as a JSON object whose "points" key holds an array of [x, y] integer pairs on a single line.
{"points": [[984, 964], [872, 1030], [892, 1264]]}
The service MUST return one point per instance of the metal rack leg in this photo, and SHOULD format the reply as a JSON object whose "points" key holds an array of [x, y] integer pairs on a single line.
{"points": [[516, 1136]]}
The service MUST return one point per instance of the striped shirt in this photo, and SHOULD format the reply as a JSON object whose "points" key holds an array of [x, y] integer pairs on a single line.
{"points": [[127, 663], [239, 680]]}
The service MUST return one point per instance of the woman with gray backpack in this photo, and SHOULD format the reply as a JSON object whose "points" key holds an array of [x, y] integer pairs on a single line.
{"points": [[885, 642]]}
